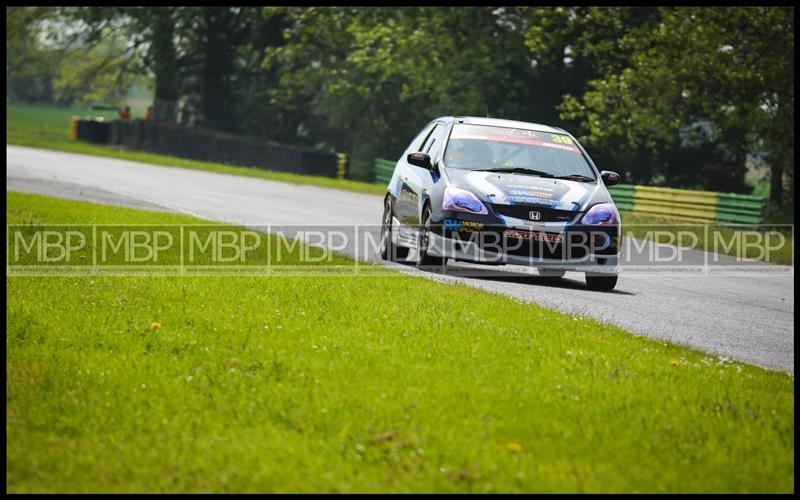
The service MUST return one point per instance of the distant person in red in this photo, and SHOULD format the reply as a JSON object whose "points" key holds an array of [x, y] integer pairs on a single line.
{"points": [[125, 114], [149, 115]]}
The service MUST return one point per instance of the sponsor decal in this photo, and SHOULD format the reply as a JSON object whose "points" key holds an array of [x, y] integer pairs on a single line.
{"points": [[521, 192], [531, 185], [451, 224], [532, 223], [533, 200], [561, 139], [559, 146], [533, 235], [523, 132], [471, 226], [459, 225]]}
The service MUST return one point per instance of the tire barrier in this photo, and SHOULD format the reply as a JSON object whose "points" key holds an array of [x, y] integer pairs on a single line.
{"points": [[208, 145], [94, 131]]}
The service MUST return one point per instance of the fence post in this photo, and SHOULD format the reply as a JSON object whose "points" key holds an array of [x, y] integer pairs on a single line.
{"points": [[341, 166], [73, 128]]}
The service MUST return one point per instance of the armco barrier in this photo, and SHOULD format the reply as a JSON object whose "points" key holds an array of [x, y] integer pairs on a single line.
{"points": [[383, 170], [701, 206], [741, 208]]}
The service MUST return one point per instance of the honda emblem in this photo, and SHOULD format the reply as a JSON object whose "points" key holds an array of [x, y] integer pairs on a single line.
{"points": [[534, 215]]}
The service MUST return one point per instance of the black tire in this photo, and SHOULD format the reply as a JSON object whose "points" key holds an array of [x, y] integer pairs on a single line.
{"points": [[425, 261], [390, 251], [604, 282]]}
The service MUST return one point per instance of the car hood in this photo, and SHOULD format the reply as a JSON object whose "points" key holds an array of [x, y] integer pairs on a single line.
{"points": [[520, 189]]}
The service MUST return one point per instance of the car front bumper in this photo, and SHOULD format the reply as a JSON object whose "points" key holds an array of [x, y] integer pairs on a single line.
{"points": [[473, 251]]}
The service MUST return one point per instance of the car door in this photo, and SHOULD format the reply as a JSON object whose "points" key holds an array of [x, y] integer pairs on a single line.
{"points": [[418, 180], [405, 200]]}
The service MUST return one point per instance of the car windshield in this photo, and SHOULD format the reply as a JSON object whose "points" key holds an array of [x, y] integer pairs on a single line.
{"points": [[481, 147]]}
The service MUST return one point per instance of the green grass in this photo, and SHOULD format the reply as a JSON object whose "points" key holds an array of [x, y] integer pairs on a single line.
{"points": [[360, 384], [42, 122]]}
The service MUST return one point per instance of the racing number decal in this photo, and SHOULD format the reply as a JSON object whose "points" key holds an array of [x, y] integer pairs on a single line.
{"points": [[561, 139]]}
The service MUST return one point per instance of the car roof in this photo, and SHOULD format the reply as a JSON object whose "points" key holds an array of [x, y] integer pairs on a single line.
{"points": [[499, 122]]}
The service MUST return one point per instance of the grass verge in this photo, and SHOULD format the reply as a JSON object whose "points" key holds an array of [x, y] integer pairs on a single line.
{"points": [[360, 384]]}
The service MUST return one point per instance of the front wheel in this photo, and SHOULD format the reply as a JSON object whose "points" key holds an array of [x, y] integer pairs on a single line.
{"points": [[426, 261], [390, 251], [601, 282]]}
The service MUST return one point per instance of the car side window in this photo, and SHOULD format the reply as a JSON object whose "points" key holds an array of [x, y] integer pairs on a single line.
{"points": [[433, 143], [416, 144]]}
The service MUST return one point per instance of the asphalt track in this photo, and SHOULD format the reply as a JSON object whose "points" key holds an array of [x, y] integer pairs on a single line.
{"points": [[747, 316]]}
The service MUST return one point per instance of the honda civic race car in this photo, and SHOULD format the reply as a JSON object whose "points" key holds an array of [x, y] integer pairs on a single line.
{"points": [[492, 191]]}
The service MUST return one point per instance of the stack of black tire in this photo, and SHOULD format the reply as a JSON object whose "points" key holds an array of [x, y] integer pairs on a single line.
{"points": [[196, 143], [94, 131]]}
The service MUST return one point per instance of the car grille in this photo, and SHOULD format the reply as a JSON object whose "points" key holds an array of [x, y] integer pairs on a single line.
{"points": [[523, 212]]}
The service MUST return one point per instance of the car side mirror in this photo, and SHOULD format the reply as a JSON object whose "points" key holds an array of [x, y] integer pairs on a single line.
{"points": [[609, 178], [420, 160]]}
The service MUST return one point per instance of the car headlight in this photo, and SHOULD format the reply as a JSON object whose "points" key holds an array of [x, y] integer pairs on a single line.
{"points": [[602, 213], [463, 201]]}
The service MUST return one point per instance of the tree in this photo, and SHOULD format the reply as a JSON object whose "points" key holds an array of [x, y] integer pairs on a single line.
{"points": [[31, 67], [572, 46], [701, 89], [366, 80], [159, 24], [215, 51], [141, 41]]}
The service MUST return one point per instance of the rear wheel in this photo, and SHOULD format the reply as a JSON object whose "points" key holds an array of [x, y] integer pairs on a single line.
{"points": [[426, 261], [601, 282], [390, 251]]}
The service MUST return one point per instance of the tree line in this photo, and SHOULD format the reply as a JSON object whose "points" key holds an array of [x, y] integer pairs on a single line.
{"points": [[678, 96]]}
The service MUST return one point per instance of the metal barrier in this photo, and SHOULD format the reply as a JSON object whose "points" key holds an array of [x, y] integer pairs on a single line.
{"points": [[704, 206], [383, 170]]}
